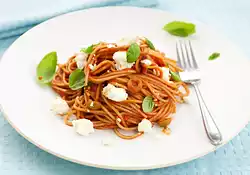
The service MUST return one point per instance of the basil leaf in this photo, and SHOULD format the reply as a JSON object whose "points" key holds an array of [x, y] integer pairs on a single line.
{"points": [[175, 76], [88, 50], [148, 104], [46, 69], [179, 28], [150, 44], [76, 79], [213, 56], [133, 53]]}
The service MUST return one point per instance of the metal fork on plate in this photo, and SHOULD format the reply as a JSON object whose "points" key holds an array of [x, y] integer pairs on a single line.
{"points": [[186, 60]]}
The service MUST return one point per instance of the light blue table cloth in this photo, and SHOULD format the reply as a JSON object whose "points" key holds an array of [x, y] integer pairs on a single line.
{"points": [[230, 17]]}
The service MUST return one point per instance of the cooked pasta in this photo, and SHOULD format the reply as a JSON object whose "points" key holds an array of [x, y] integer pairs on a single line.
{"points": [[145, 78]]}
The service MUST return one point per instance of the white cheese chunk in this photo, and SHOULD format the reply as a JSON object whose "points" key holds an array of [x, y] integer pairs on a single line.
{"points": [[60, 106], [121, 60], [166, 74], [83, 126], [147, 62], [114, 93], [81, 59], [92, 67], [145, 126]]}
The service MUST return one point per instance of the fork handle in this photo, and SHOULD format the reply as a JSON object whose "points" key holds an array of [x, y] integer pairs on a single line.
{"points": [[210, 126]]}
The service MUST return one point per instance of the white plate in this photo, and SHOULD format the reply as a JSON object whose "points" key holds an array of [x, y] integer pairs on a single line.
{"points": [[225, 85]]}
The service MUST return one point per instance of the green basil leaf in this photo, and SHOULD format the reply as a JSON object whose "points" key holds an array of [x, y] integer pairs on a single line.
{"points": [[213, 56], [133, 53], [88, 50], [76, 79], [179, 28], [148, 104], [46, 69], [150, 44], [175, 76]]}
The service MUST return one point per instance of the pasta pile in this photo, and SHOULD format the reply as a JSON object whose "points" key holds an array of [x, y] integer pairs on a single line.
{"points": [[150, 94]]}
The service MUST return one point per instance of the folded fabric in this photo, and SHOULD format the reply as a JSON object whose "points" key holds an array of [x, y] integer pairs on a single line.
{"points": [[16, 17]]}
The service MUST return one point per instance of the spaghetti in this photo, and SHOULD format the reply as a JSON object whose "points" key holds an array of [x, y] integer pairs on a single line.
{"points": [[139, 81]]}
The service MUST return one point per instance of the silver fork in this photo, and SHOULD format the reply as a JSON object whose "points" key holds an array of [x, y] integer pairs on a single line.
{"points": [[186, 60]]}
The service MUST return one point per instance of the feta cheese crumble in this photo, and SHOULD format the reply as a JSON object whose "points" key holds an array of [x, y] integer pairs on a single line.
{"points": [[60, 106], [147, 62], [145, 126], [81, 59], [166, 74], [92, 67], [121, 60], [114, 93], [83, 126]]}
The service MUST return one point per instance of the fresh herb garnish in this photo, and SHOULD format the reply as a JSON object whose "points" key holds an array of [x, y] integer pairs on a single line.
{"points": [[174, 76], [46, 69], [213, 56], [150, 44], [148, 104], [76, 79], [88, 50], [179, 28], [133, 53]]}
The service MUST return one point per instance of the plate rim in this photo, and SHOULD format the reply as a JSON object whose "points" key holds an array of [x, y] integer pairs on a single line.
{"points": [[164, 165], [118, 167]]}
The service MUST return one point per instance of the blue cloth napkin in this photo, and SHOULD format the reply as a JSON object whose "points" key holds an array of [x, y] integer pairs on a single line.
{"points": [[17, 16], [19, 157]]}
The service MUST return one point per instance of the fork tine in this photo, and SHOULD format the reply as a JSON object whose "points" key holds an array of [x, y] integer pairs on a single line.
{"points": [[179, 59], [184, 61], [180, 54], [193, 60], [188, 56]]}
